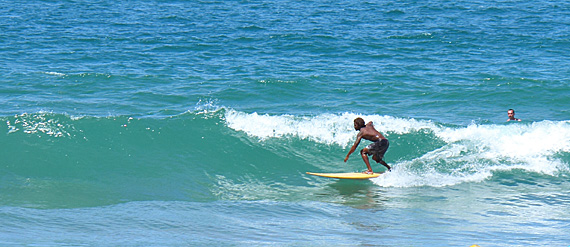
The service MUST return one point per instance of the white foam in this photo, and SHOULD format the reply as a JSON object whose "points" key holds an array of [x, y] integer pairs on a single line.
{"points": [[476, 151], [54, 73], [206, 106], [529, 144], [403, 177], [514, 141], [37, 123], [325, 128]]}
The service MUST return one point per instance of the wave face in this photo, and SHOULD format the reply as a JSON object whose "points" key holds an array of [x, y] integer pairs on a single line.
{"points": [[56, 160]]}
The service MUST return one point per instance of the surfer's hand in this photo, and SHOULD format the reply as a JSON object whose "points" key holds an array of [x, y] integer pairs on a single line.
{"points": [[345, 159]]}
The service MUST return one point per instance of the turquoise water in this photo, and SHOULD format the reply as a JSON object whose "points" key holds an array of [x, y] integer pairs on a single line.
{"points": [[172, 123]]}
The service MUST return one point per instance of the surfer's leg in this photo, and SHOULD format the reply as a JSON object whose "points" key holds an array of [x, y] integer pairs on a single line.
{"points": [[379, 153], [386, 165], [364, 154], [376, 158]]}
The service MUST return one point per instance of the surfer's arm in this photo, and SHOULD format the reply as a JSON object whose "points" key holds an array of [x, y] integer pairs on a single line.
{"points": [[353, 147]]}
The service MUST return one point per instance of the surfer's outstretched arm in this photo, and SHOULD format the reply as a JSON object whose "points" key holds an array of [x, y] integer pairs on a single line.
{"points": [[358, 138]]}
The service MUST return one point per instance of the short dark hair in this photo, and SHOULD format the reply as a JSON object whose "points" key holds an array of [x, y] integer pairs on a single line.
{"points": [[359, 122]]}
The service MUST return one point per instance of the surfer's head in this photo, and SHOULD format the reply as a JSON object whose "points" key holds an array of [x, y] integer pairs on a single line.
{"points": [[358, 123]]}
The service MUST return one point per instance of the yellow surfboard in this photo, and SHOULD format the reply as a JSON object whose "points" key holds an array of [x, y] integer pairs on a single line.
{"points": [[348, 175]]}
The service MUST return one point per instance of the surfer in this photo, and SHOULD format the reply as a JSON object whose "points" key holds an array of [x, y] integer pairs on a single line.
{"points": [[511, 114], [377, 148]]}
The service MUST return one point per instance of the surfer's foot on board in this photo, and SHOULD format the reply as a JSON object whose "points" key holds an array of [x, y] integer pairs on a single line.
{"points": [[367, 172]]}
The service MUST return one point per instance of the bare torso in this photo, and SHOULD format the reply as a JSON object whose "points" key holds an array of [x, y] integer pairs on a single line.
{"points": [[370, 133]]}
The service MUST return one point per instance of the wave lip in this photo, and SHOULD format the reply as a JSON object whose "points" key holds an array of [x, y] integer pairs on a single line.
{"points": [[325, 128]]}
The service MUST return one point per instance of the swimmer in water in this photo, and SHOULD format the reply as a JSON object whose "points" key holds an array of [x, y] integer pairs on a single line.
{"points": [[377, 148], [511, 114]]}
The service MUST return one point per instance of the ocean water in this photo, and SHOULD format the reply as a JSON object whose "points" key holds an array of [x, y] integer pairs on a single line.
{"points": [[193, 123]]}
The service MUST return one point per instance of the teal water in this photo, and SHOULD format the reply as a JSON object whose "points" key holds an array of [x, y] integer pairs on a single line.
{"points": [[194, 123]]}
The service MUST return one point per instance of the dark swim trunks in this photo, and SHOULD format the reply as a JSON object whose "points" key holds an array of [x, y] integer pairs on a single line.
{"points": [[378, 148]]}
